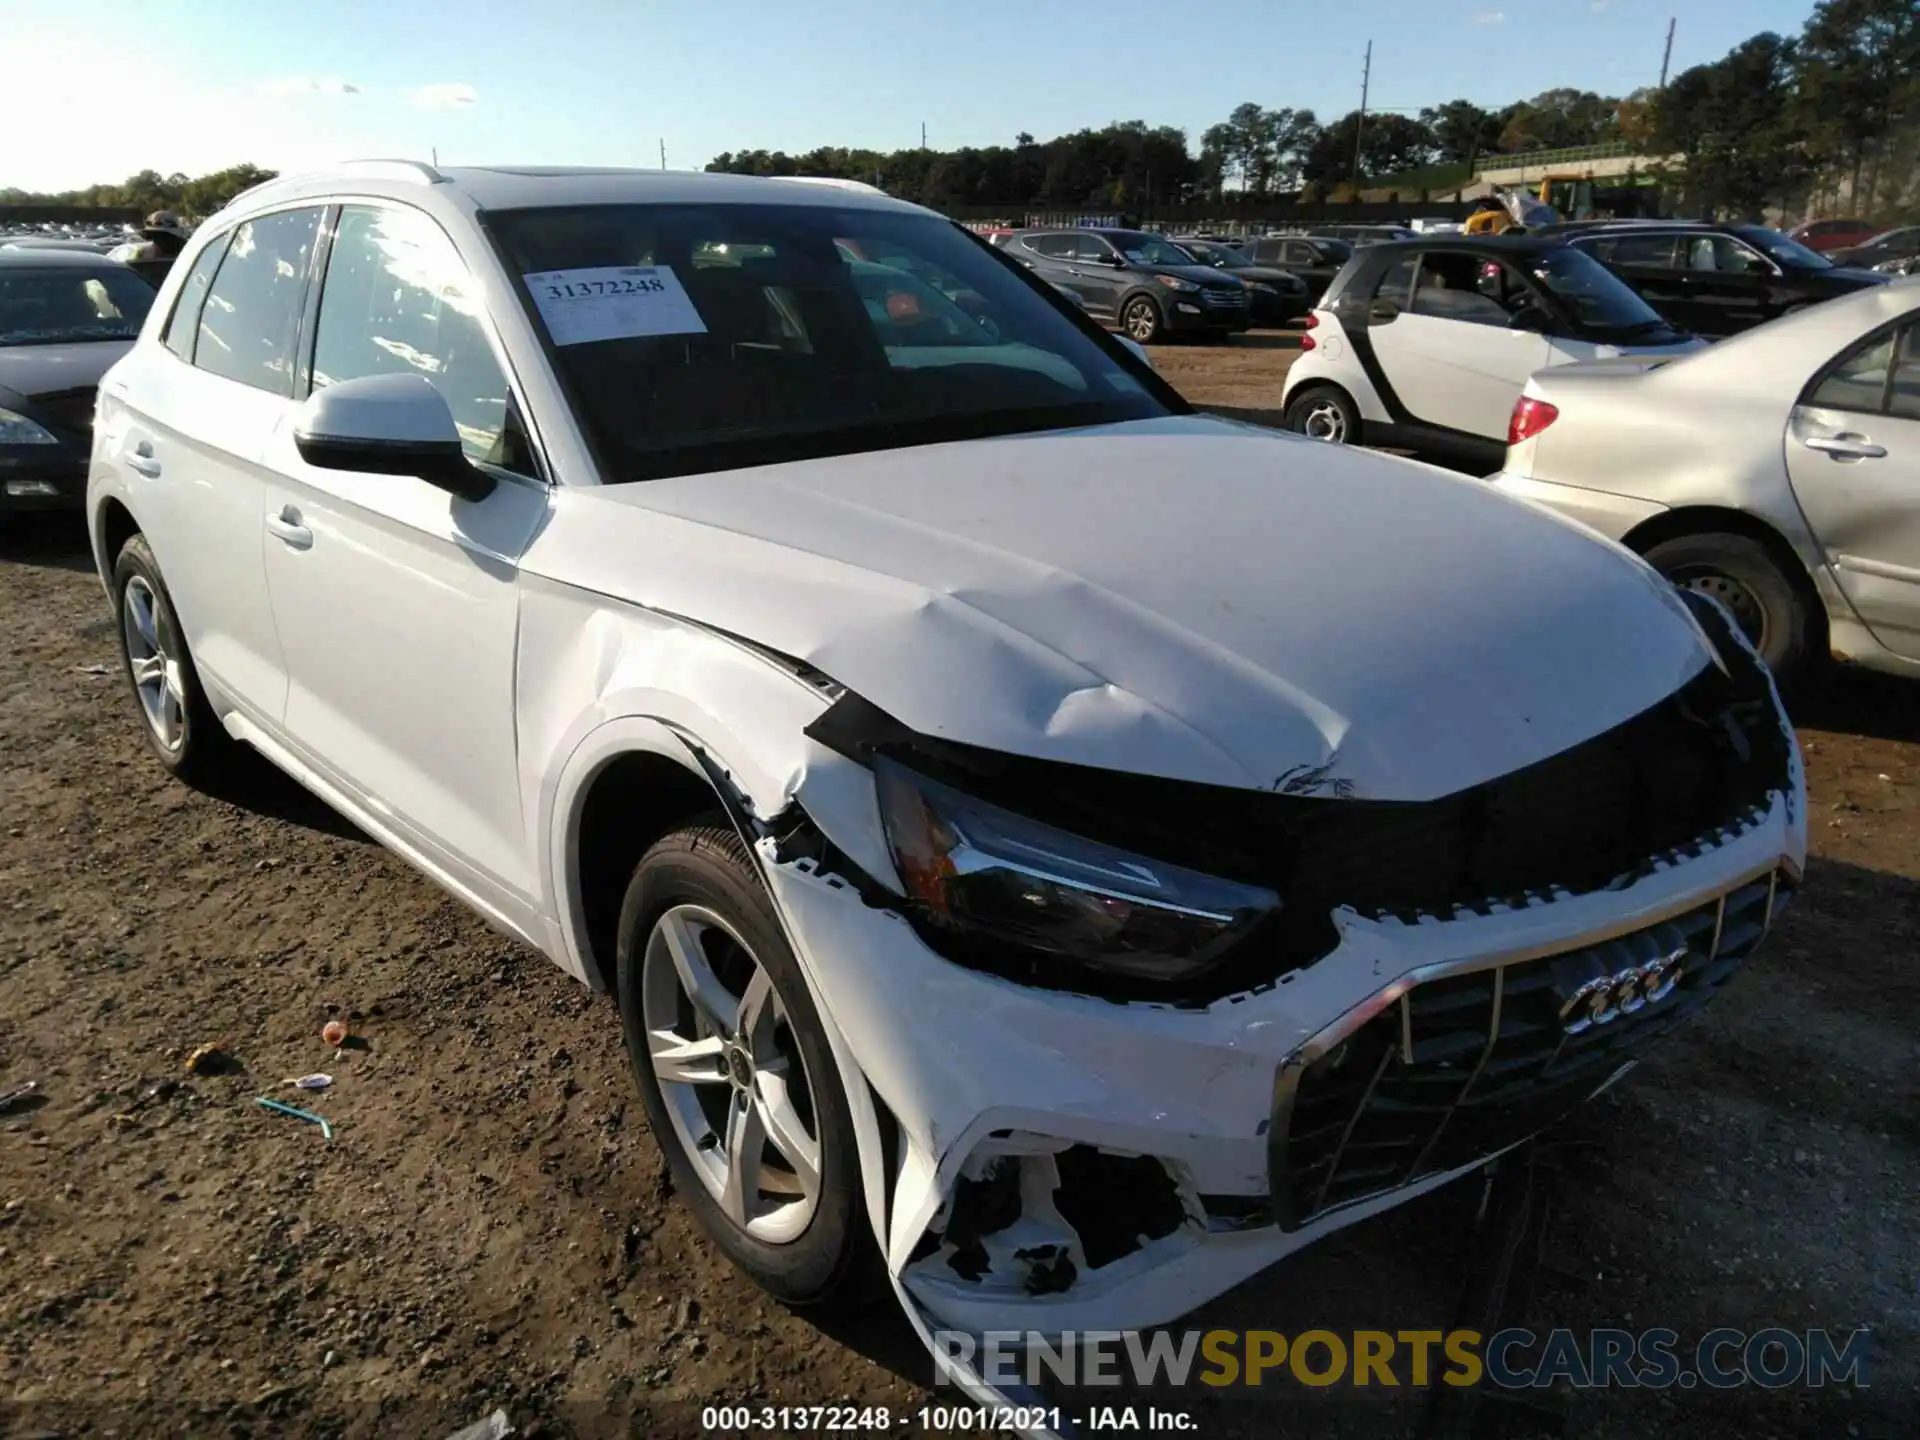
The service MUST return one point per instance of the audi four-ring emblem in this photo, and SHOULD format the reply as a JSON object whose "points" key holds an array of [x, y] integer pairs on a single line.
{"points": [[1606, 998]]}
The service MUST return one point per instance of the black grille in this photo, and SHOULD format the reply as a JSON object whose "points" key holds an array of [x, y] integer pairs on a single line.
{"points": [[1221, 298], [70, 411], [1463, 1066]]}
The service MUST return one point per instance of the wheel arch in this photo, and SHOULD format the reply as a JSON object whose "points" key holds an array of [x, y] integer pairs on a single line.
{"points": [[113, 526], [1721, 519]]}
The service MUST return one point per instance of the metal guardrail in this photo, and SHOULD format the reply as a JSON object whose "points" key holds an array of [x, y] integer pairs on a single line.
{"points": [[1544, 159]]}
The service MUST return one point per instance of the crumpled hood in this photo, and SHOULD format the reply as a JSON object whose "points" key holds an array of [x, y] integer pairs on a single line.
{"points": [[45, 369], [1186, 597]]}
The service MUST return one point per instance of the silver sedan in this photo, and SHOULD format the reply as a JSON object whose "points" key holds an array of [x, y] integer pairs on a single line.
{"points": [[1778, 471]]}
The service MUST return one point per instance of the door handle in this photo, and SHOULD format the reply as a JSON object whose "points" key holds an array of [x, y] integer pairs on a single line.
{"points": [[287, 527], [1846, 446], [141, 461]]}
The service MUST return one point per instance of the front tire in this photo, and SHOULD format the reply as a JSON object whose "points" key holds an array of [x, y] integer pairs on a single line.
{"points": [[1321, 412], [1744, 576], [180, 727], [1140, 319], [734, 1068]]}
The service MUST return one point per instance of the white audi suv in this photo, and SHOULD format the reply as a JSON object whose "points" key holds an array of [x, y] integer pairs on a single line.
{"points": [[1055, 853]]}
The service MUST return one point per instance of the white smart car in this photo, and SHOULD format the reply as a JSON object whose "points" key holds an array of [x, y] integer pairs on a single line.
{"points": [[1425, 345], [1054, 852]]}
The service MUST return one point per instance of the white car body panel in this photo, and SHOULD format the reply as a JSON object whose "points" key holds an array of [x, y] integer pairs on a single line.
{"points": [[1104, 621], [1182, 598], [1449, 372]]}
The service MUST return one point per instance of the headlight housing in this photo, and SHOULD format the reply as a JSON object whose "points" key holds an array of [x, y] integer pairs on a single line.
{"points": [[17, 429], [974, 869], [1174, 282]]}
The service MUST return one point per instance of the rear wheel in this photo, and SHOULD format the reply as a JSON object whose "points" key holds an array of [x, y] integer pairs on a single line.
{"points": [[1324, 413], [180, 726], [1140, 318], [1745, 576]]}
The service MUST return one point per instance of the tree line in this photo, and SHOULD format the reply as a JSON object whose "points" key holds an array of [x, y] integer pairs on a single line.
{"points": [[1827, 117], [149, 191]]}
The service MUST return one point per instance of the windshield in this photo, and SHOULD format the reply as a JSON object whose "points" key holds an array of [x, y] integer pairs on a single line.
{"points": [[1224, 256], [699, 338], [1598, 299], [60, 306], [1785, 248], [1143, 249]]}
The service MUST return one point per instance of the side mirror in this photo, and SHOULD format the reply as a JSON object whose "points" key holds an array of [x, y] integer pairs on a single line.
{"points": [[1118, 262], [388, 425]]}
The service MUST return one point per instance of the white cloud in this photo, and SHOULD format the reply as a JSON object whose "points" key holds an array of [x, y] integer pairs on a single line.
{"points": [[446, 97], [286, 86], [1599, 7], [1489, 17]]}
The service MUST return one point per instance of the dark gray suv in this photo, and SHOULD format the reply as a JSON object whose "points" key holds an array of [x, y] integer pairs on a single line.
{"points": [[1143, 283]]}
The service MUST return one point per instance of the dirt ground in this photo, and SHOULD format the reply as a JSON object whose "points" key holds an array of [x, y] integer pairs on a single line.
{"points": [[493, 1226]]}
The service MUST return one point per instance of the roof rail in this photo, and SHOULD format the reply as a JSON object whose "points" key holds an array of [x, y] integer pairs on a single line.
{"points": [[415, 170], [396, 170]]}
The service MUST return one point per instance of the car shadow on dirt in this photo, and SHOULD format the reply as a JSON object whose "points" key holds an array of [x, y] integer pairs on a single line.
{"points": [[254, 783], [1848, 701], [55, 539]]}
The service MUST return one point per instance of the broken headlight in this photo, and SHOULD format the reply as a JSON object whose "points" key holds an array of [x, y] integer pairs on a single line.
{"points": [[973, 867]]}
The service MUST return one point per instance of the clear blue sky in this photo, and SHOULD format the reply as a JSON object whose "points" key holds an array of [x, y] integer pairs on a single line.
{"points": [[196, 84]]}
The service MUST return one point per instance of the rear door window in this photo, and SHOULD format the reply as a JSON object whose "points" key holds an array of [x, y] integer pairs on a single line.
{"points": [[1858, 380], [1903, 393], [252, 312], [1653, 252], [1052, 247], [184, 323]]}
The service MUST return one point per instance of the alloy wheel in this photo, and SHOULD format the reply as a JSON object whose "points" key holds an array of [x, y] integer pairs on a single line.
{"points": [[1325, 420], [1142, 322], [153, 655], [731, 1073]]}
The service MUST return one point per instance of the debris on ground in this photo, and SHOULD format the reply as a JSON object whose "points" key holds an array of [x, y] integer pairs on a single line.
{"points": [[94, 669], [211, 1060], [334, 1032], [14, 1094], [495, 1427], [311, 1082], [298, 1114]]}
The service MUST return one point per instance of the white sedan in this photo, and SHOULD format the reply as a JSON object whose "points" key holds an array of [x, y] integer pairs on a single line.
{"points": [[1778, 472]]}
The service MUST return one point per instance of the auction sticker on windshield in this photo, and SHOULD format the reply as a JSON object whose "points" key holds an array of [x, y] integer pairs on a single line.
{"points": [[613, 302]]}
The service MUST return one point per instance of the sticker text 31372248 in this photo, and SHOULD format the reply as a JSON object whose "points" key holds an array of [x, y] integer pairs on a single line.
{"points": [[613, 302]]}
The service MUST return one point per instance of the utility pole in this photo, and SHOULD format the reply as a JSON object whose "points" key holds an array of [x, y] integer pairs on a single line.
{"points": [[1667, 55], [435, 152], [923, 134], [663, 152], [1360, 121]]}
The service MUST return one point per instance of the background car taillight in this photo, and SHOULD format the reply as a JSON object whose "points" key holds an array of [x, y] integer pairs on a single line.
{"points": [[1530, 417], [1313, 323]]}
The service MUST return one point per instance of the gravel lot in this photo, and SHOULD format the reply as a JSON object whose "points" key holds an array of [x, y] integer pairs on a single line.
{"points": [[493, 1226]]}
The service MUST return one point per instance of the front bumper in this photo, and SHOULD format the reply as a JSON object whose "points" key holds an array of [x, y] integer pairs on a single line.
{"points": [[1193, 314], [42, 477], [1058, 1162], [1278, 308]]}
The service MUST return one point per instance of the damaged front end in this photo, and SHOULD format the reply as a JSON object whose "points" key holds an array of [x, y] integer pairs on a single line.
{"points": [[1263, 1015]]}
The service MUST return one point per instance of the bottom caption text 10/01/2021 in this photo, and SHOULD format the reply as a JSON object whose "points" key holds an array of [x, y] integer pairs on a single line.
{"points": [[943, 1419]]}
